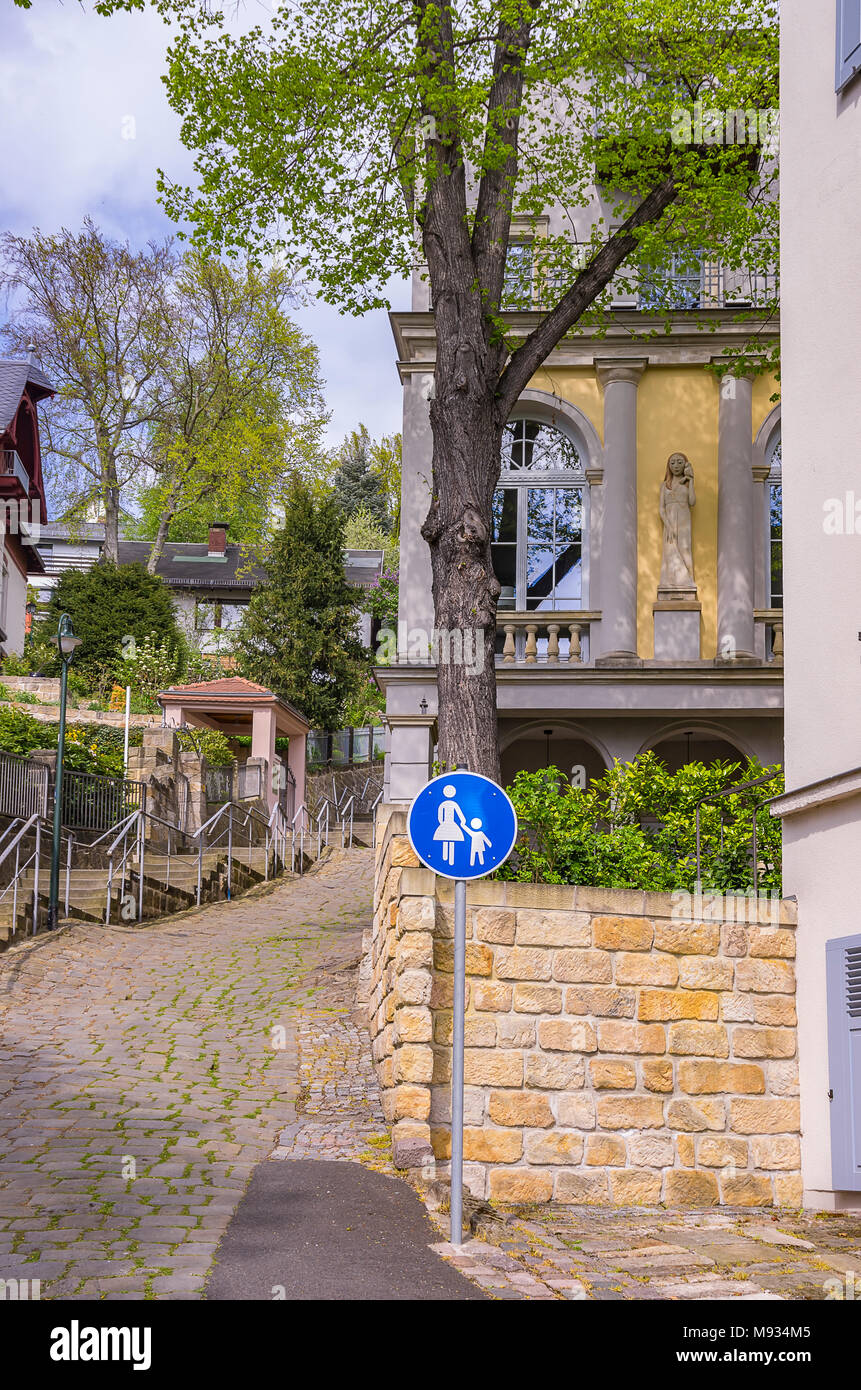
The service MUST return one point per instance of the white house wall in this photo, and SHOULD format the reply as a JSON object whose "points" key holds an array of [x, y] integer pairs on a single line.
{"points": [[821, 334]]}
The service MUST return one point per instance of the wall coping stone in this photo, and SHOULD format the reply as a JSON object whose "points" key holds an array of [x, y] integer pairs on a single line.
{"points": [[547, 897]]}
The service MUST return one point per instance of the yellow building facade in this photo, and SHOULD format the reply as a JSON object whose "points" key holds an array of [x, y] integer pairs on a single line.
{"points": [[602, 651]]}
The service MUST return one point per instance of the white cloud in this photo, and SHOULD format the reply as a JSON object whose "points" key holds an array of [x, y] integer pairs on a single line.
{"points": [[86, 124]]}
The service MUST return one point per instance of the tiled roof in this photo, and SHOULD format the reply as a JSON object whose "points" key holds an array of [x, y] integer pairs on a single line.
{"points": [[225, 685], [14, 376]]}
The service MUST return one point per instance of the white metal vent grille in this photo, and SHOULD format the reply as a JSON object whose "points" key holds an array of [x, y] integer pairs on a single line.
{"points": [[853, 981]]}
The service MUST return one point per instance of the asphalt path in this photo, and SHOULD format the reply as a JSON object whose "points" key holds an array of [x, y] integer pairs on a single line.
{"points": [[308, 1229]]}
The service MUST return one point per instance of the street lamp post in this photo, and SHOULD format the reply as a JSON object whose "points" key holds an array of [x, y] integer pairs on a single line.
{"points": [[66, 642]]}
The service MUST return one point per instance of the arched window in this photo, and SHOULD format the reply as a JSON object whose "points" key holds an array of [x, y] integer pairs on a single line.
{"points": [[539, 522], [775, 525]]}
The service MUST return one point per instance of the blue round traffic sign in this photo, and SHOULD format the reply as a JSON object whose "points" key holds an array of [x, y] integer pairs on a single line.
{"points": [[462, 825]]}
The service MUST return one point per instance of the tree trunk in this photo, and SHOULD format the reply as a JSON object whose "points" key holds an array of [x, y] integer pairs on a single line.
{"points": [[160, 537], [111, 497], [467, 441]]}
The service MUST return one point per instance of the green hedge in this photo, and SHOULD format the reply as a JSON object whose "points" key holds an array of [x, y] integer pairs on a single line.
{"points": [[88, 747], [635, 827]]}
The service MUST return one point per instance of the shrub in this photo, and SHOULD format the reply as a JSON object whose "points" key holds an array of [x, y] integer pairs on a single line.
{"points": [[88, 747], [148, 667], [15, 665], [19, 731], [209, 743], [37, 658], [109, 604], [635, 827], [83, 754]]}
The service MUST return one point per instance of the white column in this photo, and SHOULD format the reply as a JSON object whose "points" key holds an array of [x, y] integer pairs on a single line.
{"points": [[620, 380], [761, 555], [296, 760], [412, 744], [415, 597], [263, 747], [735, 563]]}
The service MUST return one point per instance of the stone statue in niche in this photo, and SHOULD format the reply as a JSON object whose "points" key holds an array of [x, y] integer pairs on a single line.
{"points": [[677, 499]]}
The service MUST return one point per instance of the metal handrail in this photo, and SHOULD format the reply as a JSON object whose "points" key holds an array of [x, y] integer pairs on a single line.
{"points": [[124, 826], [132, 820], [716, 796], [374, 806], [304, 813], [319, 819], [348, 805], [127, 837], [277, 827], [9, 828], [756, 810], [21, 833], [92, 843], [239, 815], [20, 869]]}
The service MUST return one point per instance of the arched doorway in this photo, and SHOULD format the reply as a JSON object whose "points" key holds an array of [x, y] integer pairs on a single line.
{"points": [[678, 747], [550, 744]]}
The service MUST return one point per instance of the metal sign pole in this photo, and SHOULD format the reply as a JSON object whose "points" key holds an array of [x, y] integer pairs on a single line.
{"points": [[462, 826], [457, 1062]]}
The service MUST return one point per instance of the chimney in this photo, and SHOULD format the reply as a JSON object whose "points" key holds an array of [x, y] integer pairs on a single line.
{"points": [[217, 538]]}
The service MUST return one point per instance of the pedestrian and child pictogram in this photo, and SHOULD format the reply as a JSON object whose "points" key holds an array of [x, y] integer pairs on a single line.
{"points": [[462, 825]]}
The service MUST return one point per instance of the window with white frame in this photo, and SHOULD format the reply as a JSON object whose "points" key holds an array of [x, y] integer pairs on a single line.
{"points": [[775, 526], [517, 285], [539, 524], [675, 283]]}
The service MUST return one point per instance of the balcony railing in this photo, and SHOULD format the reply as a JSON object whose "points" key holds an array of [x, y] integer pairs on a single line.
{"points": [[12, 467], [711, 286], [544, 638], [772, 619]]}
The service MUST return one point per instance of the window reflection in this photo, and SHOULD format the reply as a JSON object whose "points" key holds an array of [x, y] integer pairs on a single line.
{"points": [[538, 531]]}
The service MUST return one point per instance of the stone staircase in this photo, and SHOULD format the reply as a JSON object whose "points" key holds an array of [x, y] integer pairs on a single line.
{"points": [[169, 885]]}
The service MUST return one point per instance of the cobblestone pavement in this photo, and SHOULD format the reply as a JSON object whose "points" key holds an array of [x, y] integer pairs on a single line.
{"points": [[566, 1253], [144, 1072], [188, 1051], [586, 1253], [339, 1107]]}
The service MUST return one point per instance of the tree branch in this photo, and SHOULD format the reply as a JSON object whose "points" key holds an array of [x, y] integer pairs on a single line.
{"points": [[525, 362], [496, 188]]}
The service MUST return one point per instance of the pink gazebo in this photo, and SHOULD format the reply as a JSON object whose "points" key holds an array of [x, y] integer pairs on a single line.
{"points": [[234, 705]]}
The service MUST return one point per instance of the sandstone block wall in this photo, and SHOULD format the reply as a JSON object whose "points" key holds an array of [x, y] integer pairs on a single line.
{"points": [[614, 1053]]}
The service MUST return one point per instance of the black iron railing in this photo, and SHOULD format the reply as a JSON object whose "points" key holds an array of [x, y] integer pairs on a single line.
{"points": [[93, 802], [23, 786]]}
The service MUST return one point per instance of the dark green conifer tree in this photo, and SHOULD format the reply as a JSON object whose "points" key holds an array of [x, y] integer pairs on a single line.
{"points": [[299, 634]]}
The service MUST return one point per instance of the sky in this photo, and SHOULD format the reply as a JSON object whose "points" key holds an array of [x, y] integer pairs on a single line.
{"points": [[84, 126]]}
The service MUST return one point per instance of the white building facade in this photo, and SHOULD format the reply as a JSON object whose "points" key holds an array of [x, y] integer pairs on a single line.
{"points": [[821, 342]]}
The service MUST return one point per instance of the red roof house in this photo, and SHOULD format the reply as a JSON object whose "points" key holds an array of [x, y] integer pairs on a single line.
{"points": [[23, 510]]}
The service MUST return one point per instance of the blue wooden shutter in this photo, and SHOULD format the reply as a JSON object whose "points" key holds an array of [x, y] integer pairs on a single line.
{"points": [[848, 41], [843, 967]]}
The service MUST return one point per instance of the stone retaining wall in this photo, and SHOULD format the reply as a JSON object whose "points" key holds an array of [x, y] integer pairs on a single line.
{"points": [[615, 1051]]}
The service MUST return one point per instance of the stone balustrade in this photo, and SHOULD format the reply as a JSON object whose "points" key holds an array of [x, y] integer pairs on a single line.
{"points": [[544, 638], [772, 619]]}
